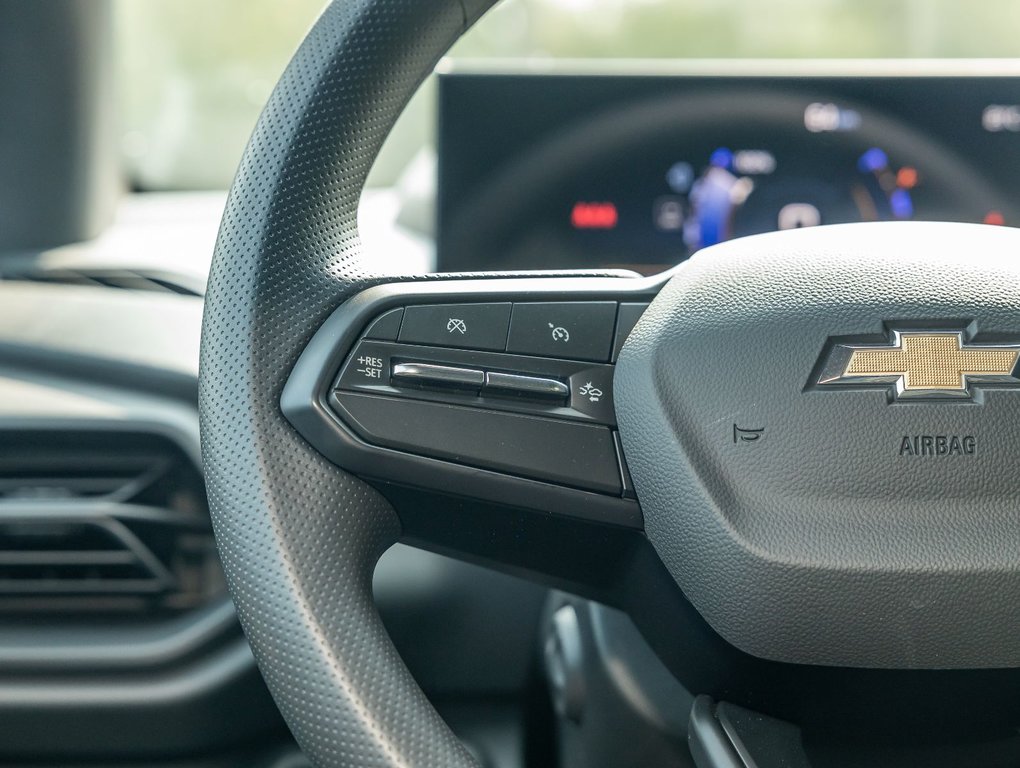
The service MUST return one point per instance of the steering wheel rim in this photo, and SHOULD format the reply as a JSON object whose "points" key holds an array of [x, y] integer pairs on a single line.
{"points": [[299, 563]]}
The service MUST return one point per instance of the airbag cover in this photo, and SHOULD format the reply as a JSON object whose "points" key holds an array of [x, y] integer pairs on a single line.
{"points": [[787, 512]]}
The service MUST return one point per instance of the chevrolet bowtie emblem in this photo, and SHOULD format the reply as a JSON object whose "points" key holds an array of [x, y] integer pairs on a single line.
{"points": [[921, 365]]}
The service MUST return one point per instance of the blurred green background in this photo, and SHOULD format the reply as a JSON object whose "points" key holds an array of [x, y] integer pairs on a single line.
{"points": [[194, 74]]}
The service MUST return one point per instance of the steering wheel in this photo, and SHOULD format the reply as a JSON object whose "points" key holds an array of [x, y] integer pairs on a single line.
{"points": [[821, 500]]}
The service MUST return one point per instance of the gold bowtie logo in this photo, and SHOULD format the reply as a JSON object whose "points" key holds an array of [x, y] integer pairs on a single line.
{"points": [[922, 364]]}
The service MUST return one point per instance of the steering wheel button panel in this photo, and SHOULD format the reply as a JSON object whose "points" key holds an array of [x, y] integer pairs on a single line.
{"points": [[576, 330], [456, 412], [469, 326]]}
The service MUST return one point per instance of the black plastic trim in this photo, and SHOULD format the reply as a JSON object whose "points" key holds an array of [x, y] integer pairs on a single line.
{"points": [[134, 648], [155, 715], [710, 745]]}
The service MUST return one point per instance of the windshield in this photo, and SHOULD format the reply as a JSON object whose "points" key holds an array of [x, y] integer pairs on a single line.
{"points": [[194, 74]]}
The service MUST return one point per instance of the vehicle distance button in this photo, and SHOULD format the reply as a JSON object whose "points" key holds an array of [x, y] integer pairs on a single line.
{"points": [[575, 330]]}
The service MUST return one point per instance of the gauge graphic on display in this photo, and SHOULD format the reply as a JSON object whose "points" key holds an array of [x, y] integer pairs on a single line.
{"points": [[744, 192], [645, 185]]}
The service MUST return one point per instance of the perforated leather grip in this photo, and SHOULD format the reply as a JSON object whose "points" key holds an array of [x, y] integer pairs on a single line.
{"points": [[298, 537]]}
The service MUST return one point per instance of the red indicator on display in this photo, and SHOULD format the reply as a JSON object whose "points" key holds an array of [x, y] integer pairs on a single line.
{"points": [[994, 217], [906, 178], [594, 216]]}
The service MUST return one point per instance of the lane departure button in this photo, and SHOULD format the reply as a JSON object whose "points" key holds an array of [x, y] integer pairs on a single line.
{"points": [[469, 326], [576, 330], [591, 393]]}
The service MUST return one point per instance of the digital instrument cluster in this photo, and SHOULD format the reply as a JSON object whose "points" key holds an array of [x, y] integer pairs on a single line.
{"points": [[640, 171]]}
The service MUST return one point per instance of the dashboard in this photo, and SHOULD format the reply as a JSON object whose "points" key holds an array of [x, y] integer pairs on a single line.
{"points": [[639, 169]]}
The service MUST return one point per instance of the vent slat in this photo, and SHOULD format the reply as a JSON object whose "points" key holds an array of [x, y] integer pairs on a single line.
{"points": [[58, 587], [71, 557], [60, 487], [159, 281]]}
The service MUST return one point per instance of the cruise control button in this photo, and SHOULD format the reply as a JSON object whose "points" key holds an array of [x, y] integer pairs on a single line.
{"points": [[519, 385], [578, 330], [430, 375], [469, 326]]}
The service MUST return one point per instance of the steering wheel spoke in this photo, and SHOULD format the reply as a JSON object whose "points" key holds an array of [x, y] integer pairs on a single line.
{"points": [[483, 410]]}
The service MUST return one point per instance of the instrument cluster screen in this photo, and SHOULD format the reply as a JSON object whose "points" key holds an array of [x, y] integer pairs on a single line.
{"points": [[640, 172]]}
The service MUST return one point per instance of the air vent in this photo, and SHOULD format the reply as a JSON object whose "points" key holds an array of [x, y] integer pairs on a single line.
{"points": [[160, 281], [102, 521]]}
